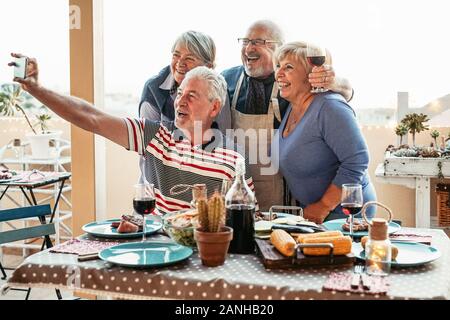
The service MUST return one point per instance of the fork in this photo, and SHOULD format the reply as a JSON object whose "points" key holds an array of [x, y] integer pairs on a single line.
{"points": [[356, 279], [366, 280]]}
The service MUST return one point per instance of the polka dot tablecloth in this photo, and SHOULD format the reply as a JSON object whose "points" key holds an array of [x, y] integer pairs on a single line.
{"points": [[241, 277]]}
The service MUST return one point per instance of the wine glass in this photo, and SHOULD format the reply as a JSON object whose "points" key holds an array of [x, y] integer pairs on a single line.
{"points": [[351, 201], [144, 203], [316, 57]]}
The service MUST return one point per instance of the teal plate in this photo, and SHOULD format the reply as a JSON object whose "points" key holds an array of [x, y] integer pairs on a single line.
{"points": [[333, 225], [103, 229], [146, 254], [410, 254]]}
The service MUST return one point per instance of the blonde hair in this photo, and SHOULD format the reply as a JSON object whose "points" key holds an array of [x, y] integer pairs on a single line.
{"points": [[295, 49]]}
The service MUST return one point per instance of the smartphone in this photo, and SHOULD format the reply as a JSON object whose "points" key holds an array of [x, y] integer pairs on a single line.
{"points": [[20, 69]]}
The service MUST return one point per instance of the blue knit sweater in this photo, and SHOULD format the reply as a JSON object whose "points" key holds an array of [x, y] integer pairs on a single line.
{"points": [[326, 147]]}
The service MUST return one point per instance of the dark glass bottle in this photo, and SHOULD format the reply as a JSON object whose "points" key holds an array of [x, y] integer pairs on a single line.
{"points": [[240, 207]]}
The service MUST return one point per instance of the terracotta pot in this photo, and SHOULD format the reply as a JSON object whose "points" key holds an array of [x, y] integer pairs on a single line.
{"points": [[213, 246]]}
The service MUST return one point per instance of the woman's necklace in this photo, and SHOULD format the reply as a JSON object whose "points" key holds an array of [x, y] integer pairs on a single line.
{"points": [[293, 119]]}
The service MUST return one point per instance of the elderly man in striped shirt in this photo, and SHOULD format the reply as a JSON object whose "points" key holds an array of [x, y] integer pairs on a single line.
{"points": [[188, 151]]}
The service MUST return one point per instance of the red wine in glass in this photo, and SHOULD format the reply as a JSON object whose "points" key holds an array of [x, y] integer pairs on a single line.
{"points": [[144, 203], [351, 208], [316, 61], [316, 57], [144, 206], [351, 201]]}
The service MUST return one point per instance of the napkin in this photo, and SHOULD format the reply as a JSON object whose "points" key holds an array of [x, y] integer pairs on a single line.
{"points": [[82, 247], [341, 281]]}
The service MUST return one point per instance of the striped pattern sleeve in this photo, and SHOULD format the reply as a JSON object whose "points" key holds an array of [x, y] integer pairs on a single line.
{"points": [[136, 141]]}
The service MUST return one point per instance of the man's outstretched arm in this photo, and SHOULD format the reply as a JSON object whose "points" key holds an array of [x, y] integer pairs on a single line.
{"points": [[75, 110]]}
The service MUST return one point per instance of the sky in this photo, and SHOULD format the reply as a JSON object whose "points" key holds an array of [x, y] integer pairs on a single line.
{"points": [[381, 46]]}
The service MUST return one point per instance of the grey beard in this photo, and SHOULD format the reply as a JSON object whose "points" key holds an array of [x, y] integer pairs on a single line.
{"points": [[255, 73]]}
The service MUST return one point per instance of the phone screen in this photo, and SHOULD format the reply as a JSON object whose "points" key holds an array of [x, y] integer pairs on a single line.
{"points": [[20, 68]]}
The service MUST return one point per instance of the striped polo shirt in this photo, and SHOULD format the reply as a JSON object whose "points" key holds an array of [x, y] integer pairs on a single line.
{"points": [[170, 159]]}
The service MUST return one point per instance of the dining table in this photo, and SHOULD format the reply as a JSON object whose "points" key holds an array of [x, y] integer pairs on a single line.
{"points": [[242, 277]]}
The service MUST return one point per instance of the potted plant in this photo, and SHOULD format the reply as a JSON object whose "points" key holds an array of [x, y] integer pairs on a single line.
{"points": [[213, 237], [415, 123], [401, 130], [435, 134], [12, 99]]}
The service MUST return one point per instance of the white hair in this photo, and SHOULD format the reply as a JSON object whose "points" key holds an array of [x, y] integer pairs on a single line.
{"points": [[217, 86], [200, 44], [274, 30]]}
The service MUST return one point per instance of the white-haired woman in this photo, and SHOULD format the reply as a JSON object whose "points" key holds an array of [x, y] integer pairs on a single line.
{"points": [[191, 49], [320, 146]]}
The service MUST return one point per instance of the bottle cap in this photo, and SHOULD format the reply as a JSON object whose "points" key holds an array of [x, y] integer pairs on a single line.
{"points": [[378, 229]]}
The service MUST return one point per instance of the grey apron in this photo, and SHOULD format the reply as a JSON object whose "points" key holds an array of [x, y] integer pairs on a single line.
{"points": [[268, 188]]}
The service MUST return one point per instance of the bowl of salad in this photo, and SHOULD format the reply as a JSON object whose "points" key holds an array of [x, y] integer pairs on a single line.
{"points": [[180, 225]]}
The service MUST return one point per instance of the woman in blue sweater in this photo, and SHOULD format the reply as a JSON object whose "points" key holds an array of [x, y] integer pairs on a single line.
{"points": [[320, 146]]}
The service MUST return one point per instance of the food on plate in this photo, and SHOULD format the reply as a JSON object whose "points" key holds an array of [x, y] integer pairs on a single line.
{"points": [[180, 226], [6, 174], [394, 249], [283, 242], [358, 225], [263, 229], [303, 236], [364, 241], [127, 227], [129, 224], [184, 219], [291, 219], [394, 252], [342, 245]]}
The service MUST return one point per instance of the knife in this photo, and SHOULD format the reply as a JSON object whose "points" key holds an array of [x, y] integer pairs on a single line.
{"points": [[315, 228], [293, 229]]}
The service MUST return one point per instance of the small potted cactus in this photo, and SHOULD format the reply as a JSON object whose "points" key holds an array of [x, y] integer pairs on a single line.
{"points": [[416, 124], [401, 130], [435, 134], [213, 237]]}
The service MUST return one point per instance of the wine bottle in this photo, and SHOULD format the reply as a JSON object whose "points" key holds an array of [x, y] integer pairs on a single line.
{"points": [[240, 212]]}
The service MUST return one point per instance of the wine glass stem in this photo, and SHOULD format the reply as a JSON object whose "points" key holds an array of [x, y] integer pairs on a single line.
{"points": [[144, 229], [351, 227]]}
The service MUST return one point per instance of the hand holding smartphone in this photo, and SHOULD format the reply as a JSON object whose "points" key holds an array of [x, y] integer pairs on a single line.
{"points": [[20, 68]]}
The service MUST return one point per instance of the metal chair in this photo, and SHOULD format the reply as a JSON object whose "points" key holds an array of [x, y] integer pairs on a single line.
{"points": [[3, 272], [44, 230]]}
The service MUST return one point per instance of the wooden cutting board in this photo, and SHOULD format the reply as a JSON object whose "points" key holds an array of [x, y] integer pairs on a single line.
{"points": [[273, 259]]}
